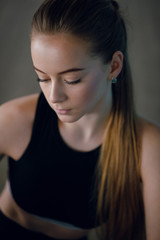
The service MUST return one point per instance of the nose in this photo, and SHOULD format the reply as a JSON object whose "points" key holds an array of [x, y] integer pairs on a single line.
{"points": [[57, 93]]}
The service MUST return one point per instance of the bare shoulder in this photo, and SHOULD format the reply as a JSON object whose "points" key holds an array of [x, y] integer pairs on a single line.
{"points": [[16, 119], [150, 132], [18, 109], [150, 174]]}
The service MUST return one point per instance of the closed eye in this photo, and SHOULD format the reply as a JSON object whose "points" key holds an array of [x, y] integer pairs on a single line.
{"points": [[42, 80], [67, 82], [73, 82]]}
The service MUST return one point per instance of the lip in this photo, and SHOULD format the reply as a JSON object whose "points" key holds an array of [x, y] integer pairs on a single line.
{"points": [[62, 111]]}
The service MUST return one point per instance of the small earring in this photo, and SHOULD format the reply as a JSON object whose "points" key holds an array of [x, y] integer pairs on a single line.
{"points": [[114, 80]]}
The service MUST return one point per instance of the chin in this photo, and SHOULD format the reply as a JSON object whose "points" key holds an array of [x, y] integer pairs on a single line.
{"points": [[68, 119]]}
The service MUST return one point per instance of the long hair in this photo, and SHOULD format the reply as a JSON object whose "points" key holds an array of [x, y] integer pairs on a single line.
{"points": [[120, 208]]}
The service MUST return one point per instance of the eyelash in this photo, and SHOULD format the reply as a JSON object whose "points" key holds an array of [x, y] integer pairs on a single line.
{"points": [[70, 83], [42, 80], [73, 82]]}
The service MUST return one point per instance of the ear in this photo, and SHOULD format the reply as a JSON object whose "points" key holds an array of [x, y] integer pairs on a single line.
{"points": [[116, 65]]}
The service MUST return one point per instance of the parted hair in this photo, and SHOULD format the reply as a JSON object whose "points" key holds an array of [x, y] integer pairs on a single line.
{"points": [[120, 209]]}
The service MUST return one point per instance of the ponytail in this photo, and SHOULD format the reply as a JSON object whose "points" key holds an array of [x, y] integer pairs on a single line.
{"points": [[118, 172]]}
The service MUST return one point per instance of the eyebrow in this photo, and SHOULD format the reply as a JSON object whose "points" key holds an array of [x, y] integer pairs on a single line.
{"points": [[63, 72]]}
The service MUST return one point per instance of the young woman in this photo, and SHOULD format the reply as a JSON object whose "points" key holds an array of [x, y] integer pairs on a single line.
{"points": [[79, 156]]}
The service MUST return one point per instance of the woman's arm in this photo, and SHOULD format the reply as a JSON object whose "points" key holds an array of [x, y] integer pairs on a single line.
{"points": [[151, 179]]}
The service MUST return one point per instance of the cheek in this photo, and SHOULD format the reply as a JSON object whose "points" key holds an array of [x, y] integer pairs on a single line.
{"points": [[97, 86], [93, 90], [46, 90], [43, 88]]}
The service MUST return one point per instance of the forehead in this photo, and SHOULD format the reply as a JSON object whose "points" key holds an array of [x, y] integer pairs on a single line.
{"points": [[60, 49]]}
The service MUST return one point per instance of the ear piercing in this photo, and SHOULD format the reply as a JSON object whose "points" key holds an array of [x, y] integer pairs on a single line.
{"points": [[114, 80]]}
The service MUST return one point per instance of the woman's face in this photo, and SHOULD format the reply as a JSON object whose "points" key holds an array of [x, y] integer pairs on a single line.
{"points": [[74, 83]]}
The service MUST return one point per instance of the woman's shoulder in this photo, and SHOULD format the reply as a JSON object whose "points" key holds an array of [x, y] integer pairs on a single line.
{"points": [[19, 109], [148, 127], [16, 120], [150, 157], [150, 175], [150, 130], [16, 102]]}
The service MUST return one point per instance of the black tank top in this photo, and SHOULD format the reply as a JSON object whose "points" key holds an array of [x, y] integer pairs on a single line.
{"points": [[51, 180]]}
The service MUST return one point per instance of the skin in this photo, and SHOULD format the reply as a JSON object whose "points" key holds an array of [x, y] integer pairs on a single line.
{"points": [[85, 103], [84, 109]]}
